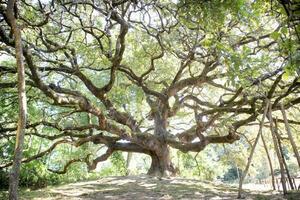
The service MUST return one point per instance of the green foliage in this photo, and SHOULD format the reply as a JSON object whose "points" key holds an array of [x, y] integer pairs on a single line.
{"points": [[205, 11], [261, 197], [36, 175], [4, 177], [115, 167], [262, 171], [232, 174], [204, 165], [293, 169], [118, 163]]}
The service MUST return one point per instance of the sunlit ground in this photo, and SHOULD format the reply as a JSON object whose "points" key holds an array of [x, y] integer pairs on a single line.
{"points": [[143, 188]]}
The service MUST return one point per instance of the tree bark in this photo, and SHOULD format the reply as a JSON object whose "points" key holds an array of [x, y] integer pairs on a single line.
{"points": [[277, 152], [289, 133], [252, 151], [270, 162], [161, 164], [15, 171]]}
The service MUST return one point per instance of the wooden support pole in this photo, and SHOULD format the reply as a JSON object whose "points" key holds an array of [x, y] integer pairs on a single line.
{"points": [[252, 150], [270, 162], [289, 133], [289, 178], [275, 141]]}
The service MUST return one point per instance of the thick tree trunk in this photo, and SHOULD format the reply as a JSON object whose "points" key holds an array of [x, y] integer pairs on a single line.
{"points": [[243, 176], [161, 165], [270, 162], [15, 171]]}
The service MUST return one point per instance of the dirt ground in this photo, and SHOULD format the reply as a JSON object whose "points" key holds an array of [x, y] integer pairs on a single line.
{"points": [[144, 188]]}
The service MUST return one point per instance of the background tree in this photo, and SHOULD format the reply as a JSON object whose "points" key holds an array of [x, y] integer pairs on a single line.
{"points": [[17, 41]]}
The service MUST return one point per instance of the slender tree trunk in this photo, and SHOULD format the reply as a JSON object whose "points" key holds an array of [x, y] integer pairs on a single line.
{"points": [[270, 162], [244, 174], [283, 158], [277, 152], [237, 171], [288, 130], [129, 156], [15, 171]]}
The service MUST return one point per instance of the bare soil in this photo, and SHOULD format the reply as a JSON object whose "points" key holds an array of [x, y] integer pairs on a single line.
{"points": [[144, 188]]}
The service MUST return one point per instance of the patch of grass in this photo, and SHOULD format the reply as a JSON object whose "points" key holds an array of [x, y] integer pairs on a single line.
{"points": [[261, 197], [293, 195]]}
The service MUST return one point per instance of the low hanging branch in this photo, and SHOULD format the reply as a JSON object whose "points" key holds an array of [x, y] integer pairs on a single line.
{"points": [[112, 146], [68, 164], [91, 165], [39, 155]]}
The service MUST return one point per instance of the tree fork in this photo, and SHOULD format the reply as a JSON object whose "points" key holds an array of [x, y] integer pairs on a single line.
{"points": [[161, 164]]}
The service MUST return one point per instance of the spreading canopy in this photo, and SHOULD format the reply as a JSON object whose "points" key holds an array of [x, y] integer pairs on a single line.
{"points": [[141, 76]]}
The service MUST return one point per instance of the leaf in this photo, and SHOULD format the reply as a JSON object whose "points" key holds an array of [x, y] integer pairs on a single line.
{"points": [[284, 30], [275, 35], [285, 76]]}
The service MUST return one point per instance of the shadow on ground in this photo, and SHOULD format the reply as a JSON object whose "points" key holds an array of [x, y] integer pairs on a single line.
{"points": [[144, 188]]}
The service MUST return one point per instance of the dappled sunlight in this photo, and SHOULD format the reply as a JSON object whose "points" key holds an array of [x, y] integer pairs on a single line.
{"points": [[148, 185], [122, 182], [180, 181], [83, 183], [144, 188], [85, 188]]}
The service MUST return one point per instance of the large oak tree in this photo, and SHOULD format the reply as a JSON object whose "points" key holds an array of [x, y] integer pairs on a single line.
{"points": [[148, 75]]}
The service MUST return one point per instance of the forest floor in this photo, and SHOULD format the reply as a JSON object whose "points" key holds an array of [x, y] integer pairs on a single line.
{"points": [[144, 188]]}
